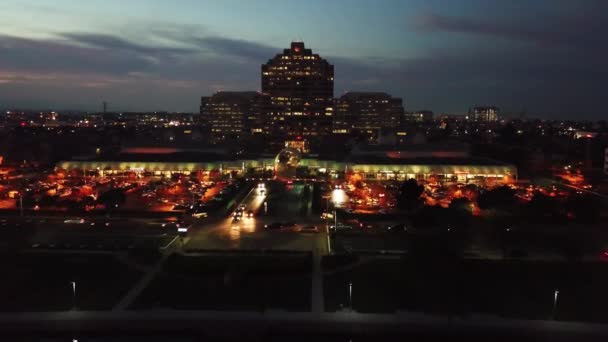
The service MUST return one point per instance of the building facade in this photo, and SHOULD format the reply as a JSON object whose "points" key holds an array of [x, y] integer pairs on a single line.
{"points": [[444, 163], [234, 114], [606, 161], [419, 116], [301, 87], [14, 116], [450, 170], [484, 114], [367, 112]]}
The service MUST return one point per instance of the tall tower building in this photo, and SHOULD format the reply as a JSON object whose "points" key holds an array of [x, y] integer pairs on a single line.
{"points": [[301, 89]]}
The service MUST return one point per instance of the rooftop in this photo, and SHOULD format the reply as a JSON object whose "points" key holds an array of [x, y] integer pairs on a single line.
{"points": [[381, 160], [354, 95]]}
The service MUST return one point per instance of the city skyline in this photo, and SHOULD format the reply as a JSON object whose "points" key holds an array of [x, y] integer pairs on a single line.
{"points": [[447, 58]]}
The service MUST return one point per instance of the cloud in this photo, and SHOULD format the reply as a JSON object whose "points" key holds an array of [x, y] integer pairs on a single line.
{"points": [[170, 69], [570, 31], [44, 72], [60, 56], [108, 42], [238, 48]]}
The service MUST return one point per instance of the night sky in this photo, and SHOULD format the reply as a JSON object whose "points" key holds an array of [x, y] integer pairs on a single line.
{"points": [[545, 56]]}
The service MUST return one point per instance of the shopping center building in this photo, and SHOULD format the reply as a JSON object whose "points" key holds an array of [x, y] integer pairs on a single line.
{"points": [[440, 166]]}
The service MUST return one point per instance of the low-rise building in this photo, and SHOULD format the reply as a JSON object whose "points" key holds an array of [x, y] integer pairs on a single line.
{"points": [[445, 166], [484, 114]]}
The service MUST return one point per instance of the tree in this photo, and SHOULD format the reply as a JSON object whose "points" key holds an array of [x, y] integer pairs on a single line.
{"points": [[112, 198], [409, 193], [543, 207], [501, 198], [461, 204], [583, 208], [429, 216], [507, 134], [471, 192], [460, 212]]}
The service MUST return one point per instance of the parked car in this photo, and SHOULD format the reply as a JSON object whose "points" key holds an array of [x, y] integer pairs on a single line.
{"points": [[273, 226], [340, 227], [199, 215], [397, 228], [310, 229], [74, 221]]}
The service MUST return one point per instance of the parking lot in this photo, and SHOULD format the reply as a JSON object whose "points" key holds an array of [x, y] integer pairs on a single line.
{"points": [[74, 193]]}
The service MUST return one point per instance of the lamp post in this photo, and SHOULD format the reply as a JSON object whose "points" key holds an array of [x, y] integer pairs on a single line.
{"points": [[335, 219], [73, 283], [554, 310], [326, 213], [350, 296], [21, 204]]}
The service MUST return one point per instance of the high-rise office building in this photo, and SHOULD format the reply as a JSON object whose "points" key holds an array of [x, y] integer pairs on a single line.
{"points": [[234, 114], [367, 112], [301, 87], [484, 114]]}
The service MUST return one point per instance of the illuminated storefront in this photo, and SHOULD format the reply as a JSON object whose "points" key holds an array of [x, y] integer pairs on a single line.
{"points": [[465, 170]]}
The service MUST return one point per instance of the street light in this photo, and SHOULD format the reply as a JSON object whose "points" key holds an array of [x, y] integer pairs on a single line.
{"points": [[555, 295], [350, 296], [335, 218], [20, 204], [338, 196], [73, 283]]}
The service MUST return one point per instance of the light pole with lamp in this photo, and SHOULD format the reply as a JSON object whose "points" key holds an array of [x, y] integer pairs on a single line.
{"points": [[20, 204], [335, 219], [554, 310], [350, 296], [73, 283]]}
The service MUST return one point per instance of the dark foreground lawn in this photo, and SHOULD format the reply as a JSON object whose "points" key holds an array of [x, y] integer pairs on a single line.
{"points": [[519, 289], [42, 281], [231, 282]]}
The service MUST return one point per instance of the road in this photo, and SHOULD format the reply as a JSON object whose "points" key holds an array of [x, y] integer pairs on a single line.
{"points": [[173, 324], [587, 191], [249, 233]]}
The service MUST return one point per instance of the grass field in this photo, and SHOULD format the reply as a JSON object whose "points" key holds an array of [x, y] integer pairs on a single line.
{"points": [[512, 289], [231, 283], [42, 282]]}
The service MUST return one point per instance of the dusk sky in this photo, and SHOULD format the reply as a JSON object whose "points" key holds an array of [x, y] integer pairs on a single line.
{"points": [[547, 56]]}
